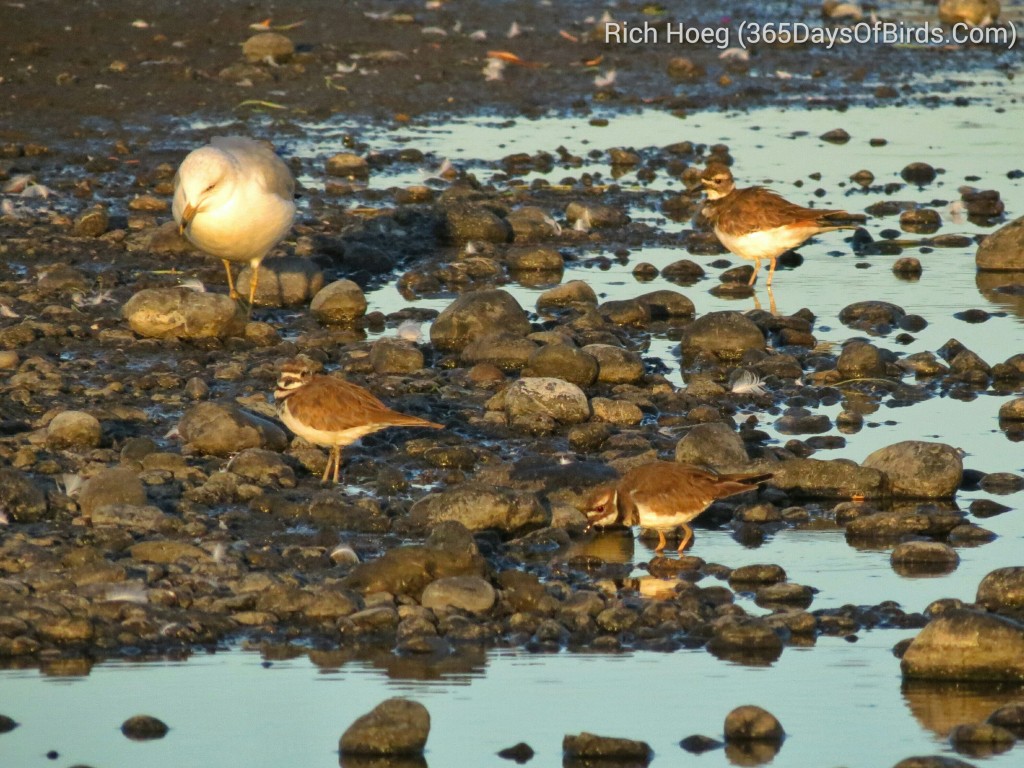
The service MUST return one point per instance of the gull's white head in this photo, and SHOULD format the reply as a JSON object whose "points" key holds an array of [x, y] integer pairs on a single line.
{"points": [[205, 177]]}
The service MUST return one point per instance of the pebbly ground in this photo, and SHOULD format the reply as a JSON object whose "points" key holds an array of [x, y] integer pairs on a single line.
{"points": [[150, 503]]}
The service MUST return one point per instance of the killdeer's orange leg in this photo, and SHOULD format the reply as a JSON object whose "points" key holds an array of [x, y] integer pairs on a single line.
{"points": [[231, 282], [337, 462], [327, 468], [661, 543], [771, 271], [757, 267], [771, 301], [687, 537]]}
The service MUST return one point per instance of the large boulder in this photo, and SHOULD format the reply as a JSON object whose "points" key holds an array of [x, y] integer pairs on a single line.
{"points": [[481, 508], [967, 645], [394, 727], [182, 313], [217, 429], [727, 335], [477, 314], [1003, 250], [919, 469]]}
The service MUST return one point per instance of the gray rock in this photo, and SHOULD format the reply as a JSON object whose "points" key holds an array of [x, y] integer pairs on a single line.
{"points": [[60, 279], [391, 356], [666, 304], [590, 747], [217, 429], [595, 215], [967, 645], [162, 313], [285, 281], [263, 467], [684, 271], [73, 429], [751, 723], [144, 728], [736, 636], [802, 421], [347, 165], [859, 359], [111, 486], [408, 570], [918, 469], [20, 498], [715, 444], [835, 479], [339, 303], [575, 293], [563, 361], [506, 351], [620, 412], [1003, 250], [531, 224], [465, 593], [896, 525], [872, 316], [1002, 591], [92, 223], [627, 312], [136, 519], [926, 556], [394, 727], [477, 314], [268, 46], [481, 508], [463, 222], [535, 260], [727, 335], [559, 400], [616, 365]]}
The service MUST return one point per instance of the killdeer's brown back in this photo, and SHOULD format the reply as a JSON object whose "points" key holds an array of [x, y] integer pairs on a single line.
{"points": [[335, 405], [672, 488]]}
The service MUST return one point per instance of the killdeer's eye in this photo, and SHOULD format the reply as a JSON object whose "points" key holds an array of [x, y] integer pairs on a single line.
{"points": [[599, 508]]}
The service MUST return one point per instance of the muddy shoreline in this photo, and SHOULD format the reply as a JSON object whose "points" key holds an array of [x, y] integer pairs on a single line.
{"points": [[138, 541]]}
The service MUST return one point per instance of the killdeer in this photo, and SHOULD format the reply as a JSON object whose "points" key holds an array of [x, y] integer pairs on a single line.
{"points": [[664, 495], [332, 412], [757, 224], [233, 200]]}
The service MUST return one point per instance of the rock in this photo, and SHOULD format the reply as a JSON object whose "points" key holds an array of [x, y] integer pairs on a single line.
{"points": [[932, 761], [666, 304], [162, 313], [394, 727], [92, 223], [463, 222], [1012, 410], [751, 723], [896, 525], [556, 399], [339, 303], [1003, 250], [684, 272], [923, 557], [714, 444], [918, 469], [268, 47], [802, 421], [109, 487], [531, 224], [918, 173], [590, 747], [981, 739], [835, 136], [1002, 591], [481, 508], [7, 724], [628, 312], [144, 728], [395, 356], [1010, 717], [465, 593], [575, 293], [476, 314], [61, 278], [520, 753], [682, 68], [738, 637], [168, 552], [73, 429], [876, 317], [217, 429], [616, 365], [835, 479], [285, 281], [504, 350], [20, 498], [595, 215], [347, 165], [969, 646], [621, 412], [860, 360], [262, 467], [535, 260], [726, 335], [565, 362]]}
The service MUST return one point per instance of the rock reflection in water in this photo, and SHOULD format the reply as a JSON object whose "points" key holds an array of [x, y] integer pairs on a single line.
{"points": [[1004, 289], [941, 706], [383, 761]]}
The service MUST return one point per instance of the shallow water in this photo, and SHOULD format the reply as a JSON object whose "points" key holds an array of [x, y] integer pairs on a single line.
{"points": [[228, 710]]}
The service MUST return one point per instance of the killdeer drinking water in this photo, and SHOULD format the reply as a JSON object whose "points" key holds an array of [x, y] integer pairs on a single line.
{"points": [[332, 412], [757, 224], [664, 495], [233, 200]]}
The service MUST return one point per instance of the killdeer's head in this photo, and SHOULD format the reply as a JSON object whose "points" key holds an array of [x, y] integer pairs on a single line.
{"points": [[601, 506], [293, 376], [717, 180]]}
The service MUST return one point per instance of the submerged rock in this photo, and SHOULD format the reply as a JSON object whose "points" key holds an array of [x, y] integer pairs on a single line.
{"points": [[394, 727], [588, 746]]}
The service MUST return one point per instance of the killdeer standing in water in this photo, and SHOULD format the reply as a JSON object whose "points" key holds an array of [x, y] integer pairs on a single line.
{"points": [[757, 224], [332, 412], [233, 200], [664, 495]]}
